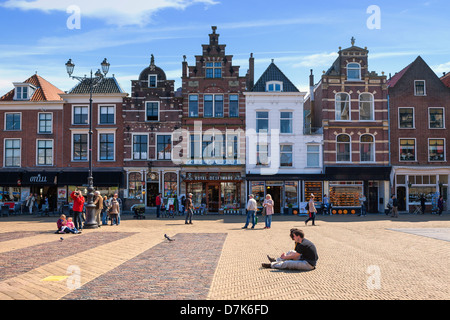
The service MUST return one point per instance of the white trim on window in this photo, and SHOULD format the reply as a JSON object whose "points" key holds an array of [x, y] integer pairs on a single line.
{"points": [[21, 118], [37, 153], [399, 150], [414, 117], [39, 123], [4, 153], [73, 114], [106, 131], [100, 106], [443, 117], [424, 88]]}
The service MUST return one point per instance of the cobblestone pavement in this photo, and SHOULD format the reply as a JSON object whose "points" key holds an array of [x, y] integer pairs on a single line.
{"points": [[374, 257]]}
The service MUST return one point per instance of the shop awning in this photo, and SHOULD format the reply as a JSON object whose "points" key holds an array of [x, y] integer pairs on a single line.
{"points": [[358, 173], [101, 178]]}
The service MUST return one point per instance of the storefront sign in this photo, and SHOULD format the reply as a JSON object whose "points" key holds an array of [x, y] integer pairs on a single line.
{"points": [[39, 178]]}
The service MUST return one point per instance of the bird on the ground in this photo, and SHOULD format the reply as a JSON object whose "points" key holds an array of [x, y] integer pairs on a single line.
{"points": [[167, 237]]}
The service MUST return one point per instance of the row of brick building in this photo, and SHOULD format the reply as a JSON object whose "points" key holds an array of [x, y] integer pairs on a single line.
{"points": [[222, 136]]}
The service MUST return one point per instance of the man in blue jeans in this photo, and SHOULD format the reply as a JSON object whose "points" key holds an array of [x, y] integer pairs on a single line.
{"points": [[252, 206]]}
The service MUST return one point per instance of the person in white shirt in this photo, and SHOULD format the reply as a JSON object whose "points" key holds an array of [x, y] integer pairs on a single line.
{"points": [[252, 206], [311, 211]]}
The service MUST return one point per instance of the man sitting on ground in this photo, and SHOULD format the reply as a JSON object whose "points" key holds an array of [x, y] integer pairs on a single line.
{"points": [[304, 257]]}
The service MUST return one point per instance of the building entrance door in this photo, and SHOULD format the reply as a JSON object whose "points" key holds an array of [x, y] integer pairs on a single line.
{"points": [[152, 193], [373, 200], [213, 197], [275, 192]]}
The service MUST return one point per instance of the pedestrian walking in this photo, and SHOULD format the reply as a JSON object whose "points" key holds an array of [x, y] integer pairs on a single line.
{"points": [[105, 210], [158, 203], [394, 207], [422, 204], [78, 204], [311, 211], [268, 205], [98, 202], [304, 257], [114, 211], [252, 206], [441, 204], [30, 203], [189, 207]]}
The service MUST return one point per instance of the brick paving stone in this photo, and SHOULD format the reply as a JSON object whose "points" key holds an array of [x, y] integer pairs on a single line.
{"points": [[177, 270]]}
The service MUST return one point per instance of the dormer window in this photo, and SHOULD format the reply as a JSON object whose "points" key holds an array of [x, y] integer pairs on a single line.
{"points": [[353, 71], [23, 91], [274, 86]]}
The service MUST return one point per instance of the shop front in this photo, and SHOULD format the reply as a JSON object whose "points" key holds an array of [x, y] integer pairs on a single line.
{"points": [[217, 192], [414, 185]]}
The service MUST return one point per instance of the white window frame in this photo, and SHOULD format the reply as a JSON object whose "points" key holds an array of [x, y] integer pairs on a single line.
{"points": [[352, 68], [100, 106], [292, 153], [399, 150], [37, 153], [73, 115], [268, 121], [445, 150], [291, 120], [39, 123], [414, 118], [30, 91], [156, 146], [86, 132], [315, 152], [106, 131], [4, 153], [274, 84], [372, 106], [21, 120], [156, 80], [159, 106], [373, 147], [132, 145], [424, 88], [337, 148], [214, 105], [443, 118], [349, 107]]}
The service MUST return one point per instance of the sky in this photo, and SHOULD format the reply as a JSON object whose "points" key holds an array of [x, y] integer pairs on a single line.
{"points": [[41, 35]]}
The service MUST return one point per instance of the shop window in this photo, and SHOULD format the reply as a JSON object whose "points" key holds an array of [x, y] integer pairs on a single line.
{"points": [[367, 148], [313, 187], [230, 198], [291, 193], [9, 194], [198, 190], [342, 107], [134, 185], [258, 188], [407, 150], [345, 193], [436, 116], [170, 185], [366, 107]]}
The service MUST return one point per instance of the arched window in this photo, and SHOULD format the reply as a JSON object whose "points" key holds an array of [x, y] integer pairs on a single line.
{"points": [[367, 148], [353, 71], [343, 148], [366, 107], [135, 185], [342, 106]]}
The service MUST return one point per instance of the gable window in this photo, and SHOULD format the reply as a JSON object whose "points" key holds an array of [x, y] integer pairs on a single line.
{"points": [[193, 106], [407, 150], [234, 105], [419, 88], [286, 122], [45, 152], [436, 149], [367, 148], [106, 146], [343, 151], [274, 86], [214, 70], [436, 116], [12, 152], [140, 147], [366, 109], [342, 106], [12, 121], [45, 123], [80, 115], [406, 118], [353, 71], [164, 147], [262, 122], [152, 111], [107, 115], [152, 81]]}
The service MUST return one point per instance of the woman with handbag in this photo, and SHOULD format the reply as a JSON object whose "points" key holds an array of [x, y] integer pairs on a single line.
{"points": [[268, 211]]}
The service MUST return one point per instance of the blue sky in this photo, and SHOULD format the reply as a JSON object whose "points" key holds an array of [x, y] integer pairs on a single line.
{"points": [[299, 35]]}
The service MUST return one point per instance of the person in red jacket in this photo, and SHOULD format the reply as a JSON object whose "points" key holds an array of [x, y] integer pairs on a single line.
{"points": [[78, 203], [158, 203]]}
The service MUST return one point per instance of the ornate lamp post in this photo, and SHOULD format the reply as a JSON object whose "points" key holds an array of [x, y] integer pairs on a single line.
{"points": [[92, 81]]}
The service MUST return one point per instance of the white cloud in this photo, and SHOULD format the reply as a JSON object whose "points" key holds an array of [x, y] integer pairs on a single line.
{"points": [[440, 68], [115, 12], [316, 60]]}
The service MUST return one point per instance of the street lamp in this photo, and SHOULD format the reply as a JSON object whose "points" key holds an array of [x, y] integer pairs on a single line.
{"points": [[93, 81]]}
